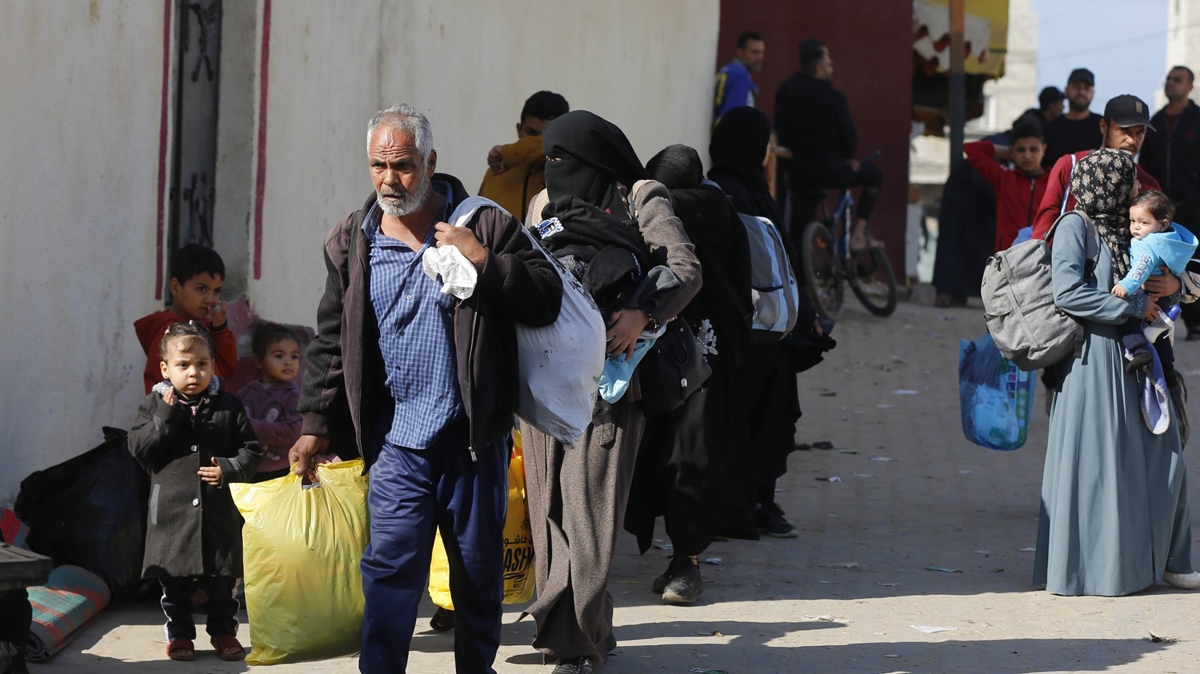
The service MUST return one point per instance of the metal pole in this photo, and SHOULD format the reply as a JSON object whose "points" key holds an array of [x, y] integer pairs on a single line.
{"points": [[958, 80]]}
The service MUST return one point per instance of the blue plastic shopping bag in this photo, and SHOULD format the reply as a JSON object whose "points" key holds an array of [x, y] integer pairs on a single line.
{"points": [[996, 396]]}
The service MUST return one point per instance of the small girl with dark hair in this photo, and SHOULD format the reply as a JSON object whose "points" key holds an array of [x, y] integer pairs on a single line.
{"points": [[1156, 242], [194, 439], [272, 399]]}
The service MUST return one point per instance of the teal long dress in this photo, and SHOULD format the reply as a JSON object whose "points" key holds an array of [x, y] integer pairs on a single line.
{"points": [[1114, 510]]}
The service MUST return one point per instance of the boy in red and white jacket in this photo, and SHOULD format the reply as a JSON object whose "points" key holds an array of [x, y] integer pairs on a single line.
{"points": [[1019, 190]]}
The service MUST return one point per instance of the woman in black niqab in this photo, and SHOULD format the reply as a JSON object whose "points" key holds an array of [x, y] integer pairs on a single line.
{"points": [[577, 495], [738, 148], [587, 156]]}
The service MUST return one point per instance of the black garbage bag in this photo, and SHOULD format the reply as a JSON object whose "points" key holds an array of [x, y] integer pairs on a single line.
{"points": [[90, 511]]}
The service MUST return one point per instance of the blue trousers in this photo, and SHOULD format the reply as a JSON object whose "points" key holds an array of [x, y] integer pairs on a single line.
{"points": [[412, 492]]}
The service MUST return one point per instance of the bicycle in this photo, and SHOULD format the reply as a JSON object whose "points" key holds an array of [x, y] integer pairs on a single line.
{"points": [[827, 262]]}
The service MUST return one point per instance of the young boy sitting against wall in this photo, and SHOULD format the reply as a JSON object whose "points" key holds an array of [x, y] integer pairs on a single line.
{"points": [[197, 275]]}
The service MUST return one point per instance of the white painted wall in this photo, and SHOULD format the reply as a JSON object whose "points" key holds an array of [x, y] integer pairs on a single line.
{"points": [[1183, 40], [78, 180], [470, 65], [78, 160]]}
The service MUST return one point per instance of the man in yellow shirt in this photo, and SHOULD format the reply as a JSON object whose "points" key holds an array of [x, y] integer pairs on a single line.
{"points": [[515, 171]]}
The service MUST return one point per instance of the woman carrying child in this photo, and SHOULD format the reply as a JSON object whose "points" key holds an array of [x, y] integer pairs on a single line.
{"points": [[1114, 517], [194, 439]]}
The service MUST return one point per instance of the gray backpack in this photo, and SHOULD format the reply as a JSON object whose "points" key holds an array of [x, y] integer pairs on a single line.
{"points": [[1018, 302]]}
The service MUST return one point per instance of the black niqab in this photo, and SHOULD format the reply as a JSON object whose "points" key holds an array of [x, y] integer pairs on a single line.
{"points": [[588, 156], [739, 143]]}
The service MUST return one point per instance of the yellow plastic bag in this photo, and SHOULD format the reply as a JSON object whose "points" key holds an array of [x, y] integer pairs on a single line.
{"points": [[518, 544], [301, 550]]}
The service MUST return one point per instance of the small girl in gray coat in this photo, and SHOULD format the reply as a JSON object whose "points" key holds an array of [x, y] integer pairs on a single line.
{"points": [[194, 439]]}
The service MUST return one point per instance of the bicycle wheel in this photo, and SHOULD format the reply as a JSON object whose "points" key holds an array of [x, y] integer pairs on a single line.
{"points": [[871, 278], [822, 273]]}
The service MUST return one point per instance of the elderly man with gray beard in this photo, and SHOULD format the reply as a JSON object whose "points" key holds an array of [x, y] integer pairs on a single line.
{"points": [[424, 386]]}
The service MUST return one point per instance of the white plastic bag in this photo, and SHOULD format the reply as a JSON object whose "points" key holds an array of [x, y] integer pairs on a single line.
{"points": [[447, 264], [560, 364]]}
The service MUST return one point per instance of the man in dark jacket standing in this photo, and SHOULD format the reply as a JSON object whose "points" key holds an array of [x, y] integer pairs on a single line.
{"points": [[1171, 153], [813, 122], [1079, 128], [425, 385]]}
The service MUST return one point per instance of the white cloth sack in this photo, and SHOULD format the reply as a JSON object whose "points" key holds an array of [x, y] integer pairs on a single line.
{"points": [[561, 363]]}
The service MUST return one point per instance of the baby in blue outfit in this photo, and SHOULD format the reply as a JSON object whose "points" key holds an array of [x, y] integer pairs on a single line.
{"points": [[1157, 242]]}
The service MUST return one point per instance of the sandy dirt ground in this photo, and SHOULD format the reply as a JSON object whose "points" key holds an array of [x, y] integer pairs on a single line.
{"points": [[850, 593]]}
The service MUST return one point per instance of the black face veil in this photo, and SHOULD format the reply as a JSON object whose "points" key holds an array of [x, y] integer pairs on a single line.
{"points": [[588, 155], [739, 143]]}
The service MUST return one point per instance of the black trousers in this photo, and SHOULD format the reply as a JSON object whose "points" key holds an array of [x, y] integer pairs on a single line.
{"points": [[804, 208], [177, 604]]}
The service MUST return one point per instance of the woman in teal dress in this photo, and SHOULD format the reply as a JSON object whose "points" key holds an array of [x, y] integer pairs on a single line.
{"points": [[1114, 516]]}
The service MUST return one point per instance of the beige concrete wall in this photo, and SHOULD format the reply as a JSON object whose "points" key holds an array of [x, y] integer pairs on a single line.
{"points": [[78, 175], [1183, 41], [470, 65], [79, 160]]}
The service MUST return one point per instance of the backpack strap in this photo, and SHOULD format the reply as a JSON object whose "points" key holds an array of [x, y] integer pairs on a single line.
{"points": [[1067, 192], [1091, 240], [1091, 250]]}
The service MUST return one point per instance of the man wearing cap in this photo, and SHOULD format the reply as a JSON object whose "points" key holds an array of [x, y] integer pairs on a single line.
{"points": [[1126, 119], [1050, 106], [1079, 128], [1171, 154]]}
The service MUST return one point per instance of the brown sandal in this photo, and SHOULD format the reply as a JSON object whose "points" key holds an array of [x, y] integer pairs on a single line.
{"points": [[229, 648], [181, 649]]}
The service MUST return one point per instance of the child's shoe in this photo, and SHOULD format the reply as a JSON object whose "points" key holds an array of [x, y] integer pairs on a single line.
{"points": [[1137, 362], [181, 649], [229, 648]]}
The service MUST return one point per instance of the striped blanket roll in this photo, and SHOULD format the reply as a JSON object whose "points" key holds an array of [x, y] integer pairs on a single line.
{"points": [[61, 607]]}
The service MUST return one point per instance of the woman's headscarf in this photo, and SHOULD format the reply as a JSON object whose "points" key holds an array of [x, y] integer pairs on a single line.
{"points": [[739, 143], [1101, 184], [588, 155]]}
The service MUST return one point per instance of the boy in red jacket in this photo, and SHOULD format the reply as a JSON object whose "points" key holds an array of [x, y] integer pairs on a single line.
{"points": [[1018, 191], [197, 275]]}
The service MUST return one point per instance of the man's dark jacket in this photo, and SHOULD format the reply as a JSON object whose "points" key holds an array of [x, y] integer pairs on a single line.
{"points": [[1173, 158], [345, 381], [813, 120]]}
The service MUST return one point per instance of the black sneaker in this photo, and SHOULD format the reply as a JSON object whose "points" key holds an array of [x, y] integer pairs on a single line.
{"points": [[684, 584], [661, 582], [771, 522], [574, 666], [442, 620]]}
